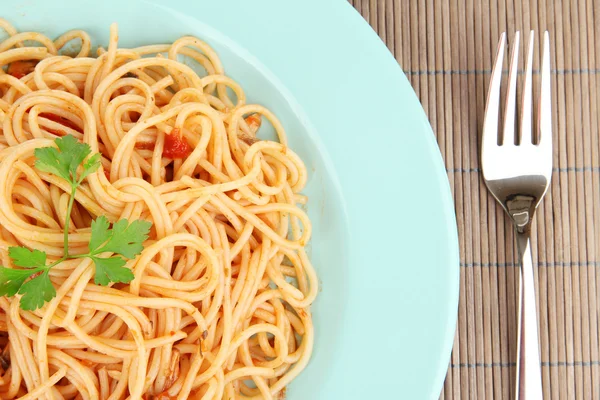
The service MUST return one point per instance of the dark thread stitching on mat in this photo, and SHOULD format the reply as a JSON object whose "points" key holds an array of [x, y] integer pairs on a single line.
{"points": [[539, 264], [570, 169], [567, 169], [580, 71], [512, 364], [487, 265], [463, 170], [484, 365], [570, 364]]}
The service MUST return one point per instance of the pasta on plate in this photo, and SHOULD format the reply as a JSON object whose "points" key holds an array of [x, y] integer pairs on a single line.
{"points": [[153, 246]]}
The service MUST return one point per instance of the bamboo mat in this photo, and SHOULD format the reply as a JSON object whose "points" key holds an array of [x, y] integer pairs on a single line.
{"points": [[446, 48]]}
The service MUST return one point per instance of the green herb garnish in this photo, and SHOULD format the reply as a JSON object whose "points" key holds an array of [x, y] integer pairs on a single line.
{"points": [[68, 162]]}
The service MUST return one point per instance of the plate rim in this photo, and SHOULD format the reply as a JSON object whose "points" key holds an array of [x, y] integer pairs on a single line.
{"points": [[343, 9]]}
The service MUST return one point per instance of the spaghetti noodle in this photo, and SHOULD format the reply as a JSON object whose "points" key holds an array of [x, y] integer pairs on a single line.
{"points": [[220, 304]]}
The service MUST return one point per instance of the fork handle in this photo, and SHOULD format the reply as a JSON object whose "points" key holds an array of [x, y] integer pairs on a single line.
{"points": [[529, 375]]}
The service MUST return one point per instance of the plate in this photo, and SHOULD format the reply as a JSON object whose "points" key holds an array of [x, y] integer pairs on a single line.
{"points": [[384, 242]]}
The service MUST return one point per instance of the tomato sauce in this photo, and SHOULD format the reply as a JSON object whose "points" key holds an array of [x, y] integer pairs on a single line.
{"points": [[144, 145], [19, 69], [176, 146], [253, 121], [61, 120], [163, 396]]}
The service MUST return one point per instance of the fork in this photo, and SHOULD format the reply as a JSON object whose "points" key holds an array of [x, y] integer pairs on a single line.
{"points": [[517, 172]]}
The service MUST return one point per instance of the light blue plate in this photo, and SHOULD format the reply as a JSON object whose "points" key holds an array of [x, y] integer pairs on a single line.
{"points": [[384, 243]]}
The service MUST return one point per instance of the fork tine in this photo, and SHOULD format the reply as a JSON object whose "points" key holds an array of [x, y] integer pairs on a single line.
{"points": [[544, 115], [508, 136], [492, 108], [526, 107]]}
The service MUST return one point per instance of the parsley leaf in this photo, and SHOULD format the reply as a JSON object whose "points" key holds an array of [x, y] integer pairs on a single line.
{"points": [[111, 270], [36, 292], [11, 280], [91, 165], [65, 163], [48, 160], [72, 153], [23, 257], [124, 238], [100, 233]]}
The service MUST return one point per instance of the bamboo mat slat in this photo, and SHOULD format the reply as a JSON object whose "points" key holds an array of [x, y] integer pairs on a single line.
{"points": [[446, 49]]}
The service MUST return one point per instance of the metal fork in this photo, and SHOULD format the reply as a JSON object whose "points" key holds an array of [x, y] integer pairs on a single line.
{"points": [[517, 172]]}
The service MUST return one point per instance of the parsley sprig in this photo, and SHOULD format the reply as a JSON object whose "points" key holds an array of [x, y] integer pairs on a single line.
{"points": [[71, 161]]}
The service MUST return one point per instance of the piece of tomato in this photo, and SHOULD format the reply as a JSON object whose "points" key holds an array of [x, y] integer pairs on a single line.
{"points": [[176, 146], [20, 68]]}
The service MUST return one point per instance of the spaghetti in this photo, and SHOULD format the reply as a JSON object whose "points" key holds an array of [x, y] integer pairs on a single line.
{"points": [[220, 304]]}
